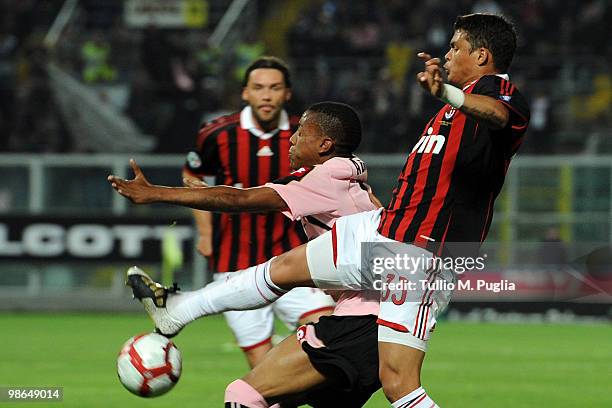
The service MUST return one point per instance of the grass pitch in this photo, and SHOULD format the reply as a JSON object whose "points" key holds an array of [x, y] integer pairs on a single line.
{"points": [[468, 364]]}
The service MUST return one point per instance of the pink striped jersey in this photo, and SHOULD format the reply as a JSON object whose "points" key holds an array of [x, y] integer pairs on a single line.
{"points": [[318, 196]]}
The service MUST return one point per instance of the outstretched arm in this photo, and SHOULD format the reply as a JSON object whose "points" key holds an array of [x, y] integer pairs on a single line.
{"points": [[217, 198], [485, 110]]}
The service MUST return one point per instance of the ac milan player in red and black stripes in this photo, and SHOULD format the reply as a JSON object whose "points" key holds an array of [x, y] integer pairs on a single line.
{"points": [[248, 149], [446, 190]]}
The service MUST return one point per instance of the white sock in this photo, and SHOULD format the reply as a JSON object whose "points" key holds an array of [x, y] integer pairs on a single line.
{"points": [[248, 289], [416, 399]]}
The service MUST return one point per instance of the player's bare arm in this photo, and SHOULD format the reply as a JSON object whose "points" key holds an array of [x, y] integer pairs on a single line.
{"points": [[218, 198], [204, 224], [484, 109]]}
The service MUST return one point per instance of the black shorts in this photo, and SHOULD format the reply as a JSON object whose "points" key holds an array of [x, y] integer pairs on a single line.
{"points": [[349, 360]]}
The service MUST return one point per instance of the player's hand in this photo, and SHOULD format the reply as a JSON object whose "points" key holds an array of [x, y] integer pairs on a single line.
{"points": [[205, 245], [137, 190], [375, 200], [373, 197], [193, 182], [431, 78]]}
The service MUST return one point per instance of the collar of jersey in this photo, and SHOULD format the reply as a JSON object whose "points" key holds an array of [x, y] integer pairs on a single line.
{"points": [[504, 76], [247, 122]]}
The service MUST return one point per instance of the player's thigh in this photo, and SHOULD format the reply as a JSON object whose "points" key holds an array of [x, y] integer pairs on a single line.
{"points": [[335, 258], [300, 304], [285, 370], [411, 295], [251, 328], [290, 270]]}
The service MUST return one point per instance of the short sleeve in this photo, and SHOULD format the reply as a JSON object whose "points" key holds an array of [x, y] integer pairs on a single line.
{"points": [[307, 192], [347, 168], [204, 160], [507, 93]]}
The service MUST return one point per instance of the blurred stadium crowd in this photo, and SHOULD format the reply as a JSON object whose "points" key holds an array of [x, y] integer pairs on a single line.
{"points": [[356, 51]]}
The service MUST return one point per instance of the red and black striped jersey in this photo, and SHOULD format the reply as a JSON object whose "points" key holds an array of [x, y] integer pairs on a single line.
{"points": [[238, 157], [446, 191]]}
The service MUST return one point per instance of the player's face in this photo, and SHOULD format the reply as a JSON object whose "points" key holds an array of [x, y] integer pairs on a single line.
{"points": [[306, 143], [266, 93], [461, 64]]}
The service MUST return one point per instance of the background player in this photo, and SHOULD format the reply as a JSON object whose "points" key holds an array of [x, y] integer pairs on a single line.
{"points": [[247, 149], [445, 193], [339, 351]]}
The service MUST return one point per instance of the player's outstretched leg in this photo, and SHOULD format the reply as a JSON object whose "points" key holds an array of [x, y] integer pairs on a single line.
{"points": [[248, 289]]}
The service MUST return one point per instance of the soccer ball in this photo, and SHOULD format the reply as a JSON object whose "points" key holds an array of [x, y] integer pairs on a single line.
{"points": [[149, 365]]}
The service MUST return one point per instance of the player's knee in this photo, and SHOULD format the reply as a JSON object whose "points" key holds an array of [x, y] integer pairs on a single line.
{"points": [[395, 382], [265, 387], [243, 393], [390, 379]]}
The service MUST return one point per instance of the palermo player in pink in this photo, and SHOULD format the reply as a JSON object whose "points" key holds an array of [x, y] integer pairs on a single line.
{"points": [[319, 198], [329, 182]]}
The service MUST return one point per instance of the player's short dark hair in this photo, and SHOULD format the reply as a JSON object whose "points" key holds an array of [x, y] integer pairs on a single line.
{"points": [[268, 62], [493, 32], [340, 122]]}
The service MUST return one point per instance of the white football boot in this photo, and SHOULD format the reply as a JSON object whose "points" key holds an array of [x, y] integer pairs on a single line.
{"points": [[154, 298]]}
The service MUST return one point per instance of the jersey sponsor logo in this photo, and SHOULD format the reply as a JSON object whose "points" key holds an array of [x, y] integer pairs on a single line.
{"points": [[429, 143], [265, 152]]}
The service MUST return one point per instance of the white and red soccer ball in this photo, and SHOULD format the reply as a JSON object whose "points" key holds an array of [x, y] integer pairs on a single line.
{"points": [[149, 365]]}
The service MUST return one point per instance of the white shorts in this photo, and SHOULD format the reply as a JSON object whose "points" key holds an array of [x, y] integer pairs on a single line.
{"points": [[253, 328], [346, 257]]}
